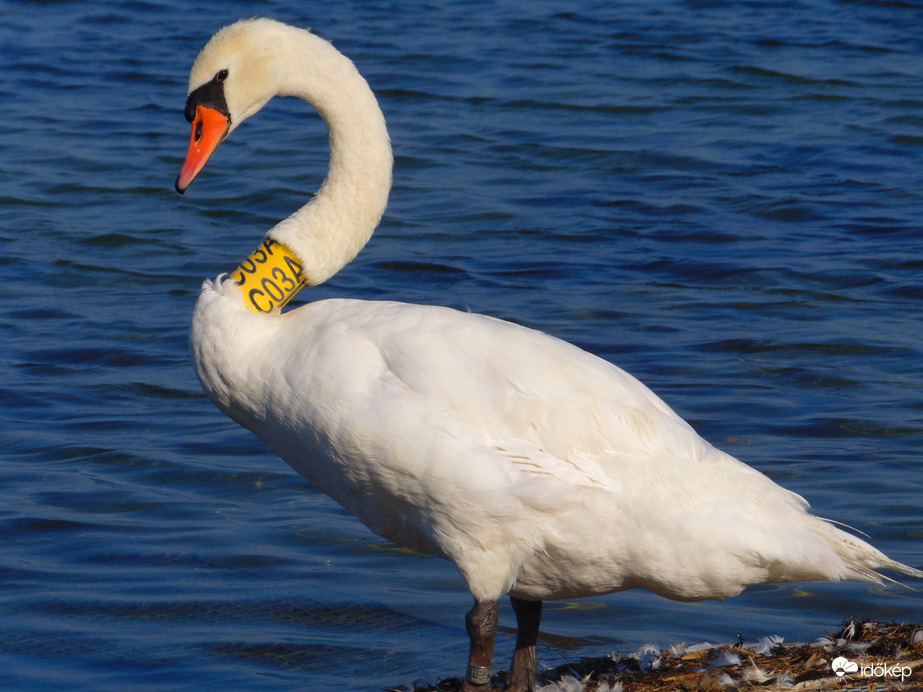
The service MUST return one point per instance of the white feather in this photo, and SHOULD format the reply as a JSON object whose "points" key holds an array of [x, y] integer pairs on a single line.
{"points": [[725, 680], [755, 675], [723, 658], [765, 645], [649, 657]]}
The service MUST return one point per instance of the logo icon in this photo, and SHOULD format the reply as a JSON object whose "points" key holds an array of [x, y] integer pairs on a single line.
{"points": [[841, 666]]}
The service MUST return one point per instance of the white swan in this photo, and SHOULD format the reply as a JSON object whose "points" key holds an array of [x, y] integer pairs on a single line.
{"points": [[538, 469]]}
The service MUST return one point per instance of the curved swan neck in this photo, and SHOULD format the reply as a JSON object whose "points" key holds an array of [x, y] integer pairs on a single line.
{"points": [[329, 231]]}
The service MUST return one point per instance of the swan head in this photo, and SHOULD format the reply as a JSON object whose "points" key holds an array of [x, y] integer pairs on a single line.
{"points": [[234, 76]]}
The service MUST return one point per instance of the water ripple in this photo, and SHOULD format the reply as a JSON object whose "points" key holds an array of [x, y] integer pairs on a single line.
{"points": [[724, 198]]}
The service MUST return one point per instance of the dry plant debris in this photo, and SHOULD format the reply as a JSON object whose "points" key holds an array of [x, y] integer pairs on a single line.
{"points": [[876, 657]]}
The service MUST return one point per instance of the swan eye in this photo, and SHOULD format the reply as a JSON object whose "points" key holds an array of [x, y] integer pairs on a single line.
{"points": [[221, 76]]}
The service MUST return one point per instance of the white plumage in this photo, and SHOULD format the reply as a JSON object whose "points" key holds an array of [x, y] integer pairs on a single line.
{"points": [[538, 469]]}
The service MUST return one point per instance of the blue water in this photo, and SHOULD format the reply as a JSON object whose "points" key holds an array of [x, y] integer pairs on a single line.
{"points": [[724, 198]]}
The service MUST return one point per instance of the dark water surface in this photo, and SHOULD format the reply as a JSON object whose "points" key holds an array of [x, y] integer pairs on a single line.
{"points": [[724, 198]]}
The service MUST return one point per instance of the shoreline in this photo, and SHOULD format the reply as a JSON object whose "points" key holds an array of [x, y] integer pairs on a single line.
{"points": [[865, 655]]}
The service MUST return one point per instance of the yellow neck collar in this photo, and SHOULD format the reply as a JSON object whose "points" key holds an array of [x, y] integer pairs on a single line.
{"points": [[270, 277]]}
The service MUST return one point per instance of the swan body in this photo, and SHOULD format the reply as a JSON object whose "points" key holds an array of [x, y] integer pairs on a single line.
{"points": [[540, 470]]}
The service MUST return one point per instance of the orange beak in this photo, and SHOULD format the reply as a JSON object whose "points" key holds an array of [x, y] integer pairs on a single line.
{"points": [[209, 128]]}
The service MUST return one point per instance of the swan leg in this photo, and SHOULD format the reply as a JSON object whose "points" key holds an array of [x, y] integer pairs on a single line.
{"points": [[481, 623], [522, 673]]}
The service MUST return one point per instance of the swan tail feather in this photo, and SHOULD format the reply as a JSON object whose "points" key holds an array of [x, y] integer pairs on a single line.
{"points": [[862, 561]]}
